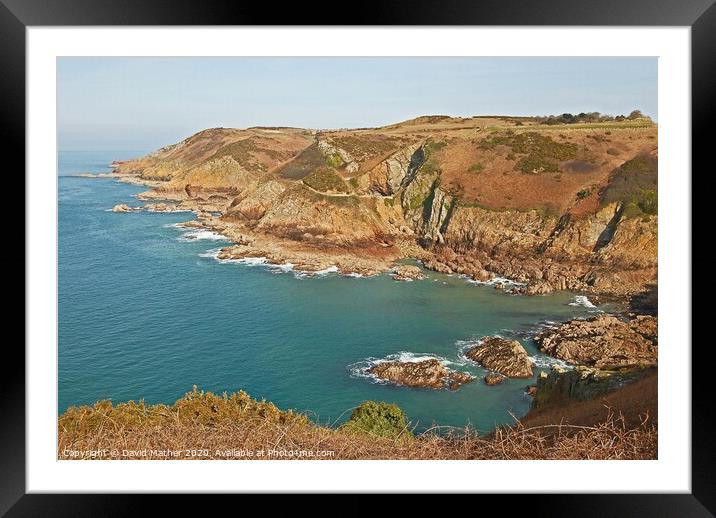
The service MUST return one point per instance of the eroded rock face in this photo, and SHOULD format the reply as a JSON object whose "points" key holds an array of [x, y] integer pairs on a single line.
{"points": [[580, 383], [425, 374], [401, 187], [506, 357], [603, 342], [406, 272]]}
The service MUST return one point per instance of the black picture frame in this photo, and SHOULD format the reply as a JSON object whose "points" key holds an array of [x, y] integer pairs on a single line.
{"points": [[700, 15]]}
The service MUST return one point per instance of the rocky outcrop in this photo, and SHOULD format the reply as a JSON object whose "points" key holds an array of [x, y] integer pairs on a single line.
{"points": [[254, 205], [406, 272], [395, 171], [494, 378], [605, 342], [424, 374], [561, 385], [121, 207], [506, 357], [593, 253], [337, 156]]}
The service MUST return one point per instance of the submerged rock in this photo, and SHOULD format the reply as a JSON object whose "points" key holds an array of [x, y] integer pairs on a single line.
{"points": [[605, 342], [426, 374], [506, 357], [406, 272]]}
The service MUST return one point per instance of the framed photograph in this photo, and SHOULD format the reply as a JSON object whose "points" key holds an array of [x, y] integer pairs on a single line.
{"points": [[445, 253]]}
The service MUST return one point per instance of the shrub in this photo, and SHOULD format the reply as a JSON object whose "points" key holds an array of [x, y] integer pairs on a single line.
{"points": [[379, 419], [648, 202], [326, 179], [542, 153], [334, 160], [476, 168], [583, 193]]}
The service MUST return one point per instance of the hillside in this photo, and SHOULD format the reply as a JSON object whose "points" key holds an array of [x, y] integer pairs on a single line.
{"points": [[555, 206]]}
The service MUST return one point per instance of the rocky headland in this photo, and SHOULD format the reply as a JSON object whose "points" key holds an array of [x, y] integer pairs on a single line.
{"points": [[548, 207]]}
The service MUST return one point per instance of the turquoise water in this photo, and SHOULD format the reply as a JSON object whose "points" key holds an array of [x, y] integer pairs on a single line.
{"points": [[145, 313]]}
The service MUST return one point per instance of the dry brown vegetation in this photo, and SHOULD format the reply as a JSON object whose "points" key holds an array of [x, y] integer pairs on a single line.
{"points": [[205, 425]]}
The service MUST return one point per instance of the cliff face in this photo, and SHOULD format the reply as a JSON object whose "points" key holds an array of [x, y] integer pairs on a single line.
{"points": [[552, 208]]}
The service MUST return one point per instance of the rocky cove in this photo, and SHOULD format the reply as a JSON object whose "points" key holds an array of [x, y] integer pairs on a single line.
{"points": [[370, 203]]}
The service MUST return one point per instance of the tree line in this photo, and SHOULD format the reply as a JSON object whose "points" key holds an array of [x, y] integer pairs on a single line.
{"points": [[570, 118]]}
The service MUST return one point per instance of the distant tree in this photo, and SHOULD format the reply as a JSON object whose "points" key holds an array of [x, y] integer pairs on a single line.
{"points": [[636, 114]]}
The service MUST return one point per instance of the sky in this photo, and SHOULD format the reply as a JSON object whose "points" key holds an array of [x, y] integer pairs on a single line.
{"points": [[139, 103]]}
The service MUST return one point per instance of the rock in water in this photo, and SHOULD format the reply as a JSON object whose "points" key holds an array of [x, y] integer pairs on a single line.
{"points": [[494, 378], [507, 357], [406, 272], [122, 208], [426, 374], [604, 342]]}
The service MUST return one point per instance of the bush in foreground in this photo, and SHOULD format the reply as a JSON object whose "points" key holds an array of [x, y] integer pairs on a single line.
{"points": [[380, 420], [212, 425]]}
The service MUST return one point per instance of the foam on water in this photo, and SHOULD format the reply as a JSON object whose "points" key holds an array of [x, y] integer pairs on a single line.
{"points": [[360, 369], [198, 234], [493, 281], [583, 301], [272, 267], [547, 362]]}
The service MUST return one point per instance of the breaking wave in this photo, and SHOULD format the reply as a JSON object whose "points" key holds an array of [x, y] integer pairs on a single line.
{"points": [[582, 301], [275, 267]]}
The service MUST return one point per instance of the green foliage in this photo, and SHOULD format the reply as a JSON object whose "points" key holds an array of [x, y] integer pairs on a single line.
{"points": [[326, 179], [353, 182], [242, 151], [569, 118], [635, 185], [431, 166], [542, 153], [379, 419], [476, 168], [648, 202], [433, 146], [334, 160], [583, 194], [636, 114]]}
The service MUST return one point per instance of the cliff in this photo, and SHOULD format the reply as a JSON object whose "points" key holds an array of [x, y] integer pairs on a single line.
{"points": [[554, 207]]}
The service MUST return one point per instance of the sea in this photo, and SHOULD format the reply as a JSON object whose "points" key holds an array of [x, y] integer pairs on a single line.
{"points": [[147, 311]]}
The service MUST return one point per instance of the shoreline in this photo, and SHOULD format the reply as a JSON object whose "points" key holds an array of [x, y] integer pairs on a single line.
{"points": [[310, 259]]}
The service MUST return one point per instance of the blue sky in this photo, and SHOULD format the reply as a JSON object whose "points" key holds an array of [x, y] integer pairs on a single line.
{"points": [[146, 103]]}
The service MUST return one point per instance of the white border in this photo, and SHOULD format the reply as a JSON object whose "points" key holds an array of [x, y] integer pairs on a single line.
{"points": [[670, 473]]}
